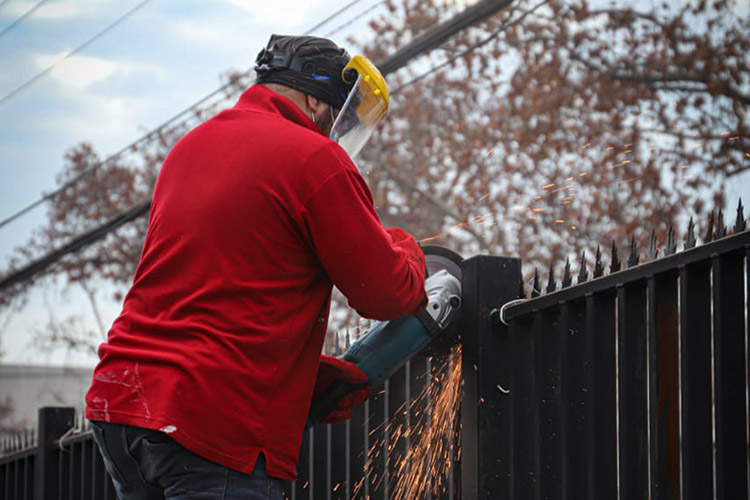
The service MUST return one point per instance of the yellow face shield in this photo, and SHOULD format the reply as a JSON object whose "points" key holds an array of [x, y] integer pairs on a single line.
{"points": [[365, 106]]}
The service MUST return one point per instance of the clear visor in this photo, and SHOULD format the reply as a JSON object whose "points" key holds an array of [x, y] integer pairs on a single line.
{"points": [[364, 108]]}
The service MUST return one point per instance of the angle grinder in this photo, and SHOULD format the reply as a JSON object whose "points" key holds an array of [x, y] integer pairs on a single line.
{"points": [[388, 345]]}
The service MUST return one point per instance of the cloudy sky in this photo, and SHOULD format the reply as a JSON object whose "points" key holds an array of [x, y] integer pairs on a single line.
{"points": [[161, 57]]}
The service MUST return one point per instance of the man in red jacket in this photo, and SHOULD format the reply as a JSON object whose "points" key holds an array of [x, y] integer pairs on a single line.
{"points": [[205, 381]]}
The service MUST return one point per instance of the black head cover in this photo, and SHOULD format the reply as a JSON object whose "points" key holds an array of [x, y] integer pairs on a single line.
{"points": [[309, 64]]}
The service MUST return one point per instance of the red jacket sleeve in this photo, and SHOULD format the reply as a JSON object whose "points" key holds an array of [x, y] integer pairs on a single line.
{"points": [[381, 278]]}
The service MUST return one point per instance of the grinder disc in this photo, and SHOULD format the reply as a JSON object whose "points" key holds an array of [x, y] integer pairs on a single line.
{"points": [[439, 258]]}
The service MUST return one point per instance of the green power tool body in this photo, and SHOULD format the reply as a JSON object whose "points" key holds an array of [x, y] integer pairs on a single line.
{"points": [[388, 345]]}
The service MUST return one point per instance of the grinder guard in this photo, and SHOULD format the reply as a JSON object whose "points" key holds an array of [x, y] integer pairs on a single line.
{"points": [[388, 345]]}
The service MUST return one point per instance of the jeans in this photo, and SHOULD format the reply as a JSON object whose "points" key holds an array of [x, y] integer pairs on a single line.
{"points": [[150, 465]]}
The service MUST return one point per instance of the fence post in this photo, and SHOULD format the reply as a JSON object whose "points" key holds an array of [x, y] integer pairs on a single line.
{"points": [[486, 439], [52, 424]]}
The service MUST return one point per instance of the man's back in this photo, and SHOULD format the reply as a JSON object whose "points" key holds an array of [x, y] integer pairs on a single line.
{"points": [[255, 215]]}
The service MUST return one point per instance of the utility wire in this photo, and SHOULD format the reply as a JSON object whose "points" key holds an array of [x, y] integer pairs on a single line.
{"points": [[355, 18], [73, 52], [332, 16], [144, 138], [24, 16], [481, 43]]}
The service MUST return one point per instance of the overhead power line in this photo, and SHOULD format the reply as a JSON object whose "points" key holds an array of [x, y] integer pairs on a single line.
{"points": [[355, 18], [77, 243], [24, 16], [423, 43], [70, 54], [331, 17], [435, 69]]}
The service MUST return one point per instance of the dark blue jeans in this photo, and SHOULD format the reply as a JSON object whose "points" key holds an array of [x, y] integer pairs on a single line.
{"points": [[150, 465]]}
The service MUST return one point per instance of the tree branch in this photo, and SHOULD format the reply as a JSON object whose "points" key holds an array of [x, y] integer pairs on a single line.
{"points": [[439, 205]]}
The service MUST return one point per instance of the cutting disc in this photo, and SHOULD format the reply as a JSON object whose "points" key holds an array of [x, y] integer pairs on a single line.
{"points": [[439, 258]]}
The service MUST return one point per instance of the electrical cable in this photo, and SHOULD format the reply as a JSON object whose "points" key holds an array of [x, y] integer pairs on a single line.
{"points": [[24, 16], [73, 52], [355, 18], [332, 16], [474, 47]]}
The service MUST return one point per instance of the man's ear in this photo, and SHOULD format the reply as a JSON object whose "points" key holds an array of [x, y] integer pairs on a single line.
{"points": [[313, 103]]}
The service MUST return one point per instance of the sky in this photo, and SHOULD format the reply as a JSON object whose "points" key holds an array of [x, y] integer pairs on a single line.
{"points": [[160, 59]]}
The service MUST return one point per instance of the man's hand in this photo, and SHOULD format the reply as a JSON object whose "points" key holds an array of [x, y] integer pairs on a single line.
{"points": [[332, 370]]}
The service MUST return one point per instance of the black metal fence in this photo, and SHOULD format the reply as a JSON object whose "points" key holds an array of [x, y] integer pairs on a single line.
{"points": [[632, 385], [60, 461]]}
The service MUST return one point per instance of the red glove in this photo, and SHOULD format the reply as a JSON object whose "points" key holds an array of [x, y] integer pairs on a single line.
{"points": [[332, 369]]}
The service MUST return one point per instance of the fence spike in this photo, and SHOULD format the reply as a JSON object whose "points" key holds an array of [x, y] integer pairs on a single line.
{"points": [[671, 246], [598, 267], [567, 278], [710, 230], [614, 265], [634, 257], [653, 249], [583, 273], [739, 223], [690, 238], [551, 283], [348, 339], [535, 288], [721, 229]]}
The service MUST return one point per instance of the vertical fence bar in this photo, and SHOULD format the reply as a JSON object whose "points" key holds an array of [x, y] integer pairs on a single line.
{"points": [[633, 422], [525, 410], [53, 423], [301, 487], [87, 469], [319, 462], [377, 453], [577, 394], [602, 330], [420, 409], [357, 453], [664, 387], [729, 377], [97, 484], [396, 426], [548, 368], [487, 434], [695, 387], [340, 453], [71, 454]]}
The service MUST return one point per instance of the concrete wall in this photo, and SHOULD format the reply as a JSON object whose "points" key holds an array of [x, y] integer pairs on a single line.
{"points": [[31, 387]]}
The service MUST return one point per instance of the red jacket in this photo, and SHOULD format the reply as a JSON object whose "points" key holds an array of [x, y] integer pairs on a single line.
{"points": [[255, 215]]}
